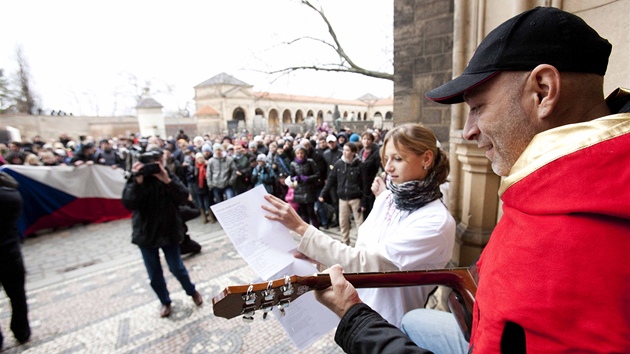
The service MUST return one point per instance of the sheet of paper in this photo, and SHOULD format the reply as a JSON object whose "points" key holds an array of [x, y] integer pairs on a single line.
{"points": [[267, 246], [264, 244]]}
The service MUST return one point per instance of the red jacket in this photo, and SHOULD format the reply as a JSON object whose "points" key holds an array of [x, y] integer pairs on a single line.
{"points": [[557, 262]]}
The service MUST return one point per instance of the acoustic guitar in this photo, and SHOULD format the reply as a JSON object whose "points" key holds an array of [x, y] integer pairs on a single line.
{"points": [[244, 300]]}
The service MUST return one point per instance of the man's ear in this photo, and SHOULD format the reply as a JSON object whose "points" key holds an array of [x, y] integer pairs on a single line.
{"points": [[544, 89]]}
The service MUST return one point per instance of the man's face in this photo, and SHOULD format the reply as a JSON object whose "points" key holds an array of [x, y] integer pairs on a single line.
{"points": [[348, 154], [332, 144], [321, 143], [367, 142], [238, 149], [498, 121]]}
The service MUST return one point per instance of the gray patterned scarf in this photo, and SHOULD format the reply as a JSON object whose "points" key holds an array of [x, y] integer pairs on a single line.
{"points": [[413, 195]]}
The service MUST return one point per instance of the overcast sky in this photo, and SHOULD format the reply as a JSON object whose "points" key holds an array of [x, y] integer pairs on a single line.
{"points": [[81, 53]]}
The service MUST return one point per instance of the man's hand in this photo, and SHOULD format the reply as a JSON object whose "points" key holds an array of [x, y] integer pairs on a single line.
{"points": [[135, 168], [162, 176], [341, 295]]}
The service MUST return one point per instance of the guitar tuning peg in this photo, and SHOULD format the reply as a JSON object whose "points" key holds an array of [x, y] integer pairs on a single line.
{"points": [[282, 305], [281, 308], [248, 316]]}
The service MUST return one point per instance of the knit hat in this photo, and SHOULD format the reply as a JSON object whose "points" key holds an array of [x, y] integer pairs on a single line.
{"points": [[206, 148], [261, 157], [217, 146], [354, 138]]}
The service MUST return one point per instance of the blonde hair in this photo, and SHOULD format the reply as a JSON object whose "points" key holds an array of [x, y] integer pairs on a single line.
{"points": [[415, 138], [32, 160]]}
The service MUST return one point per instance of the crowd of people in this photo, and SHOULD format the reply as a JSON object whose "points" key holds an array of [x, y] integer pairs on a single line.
{"points": [[293, 167]]}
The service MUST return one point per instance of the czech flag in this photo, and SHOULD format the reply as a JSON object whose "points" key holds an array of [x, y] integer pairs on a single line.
{"points": [[61, 196]]}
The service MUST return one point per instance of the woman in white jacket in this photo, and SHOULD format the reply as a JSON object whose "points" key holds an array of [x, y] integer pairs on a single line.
{"points": [[409, 227]]}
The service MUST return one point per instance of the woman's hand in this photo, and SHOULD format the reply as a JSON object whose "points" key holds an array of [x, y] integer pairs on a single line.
{"points": [[378, 186], [281, 211], [300, 255]]}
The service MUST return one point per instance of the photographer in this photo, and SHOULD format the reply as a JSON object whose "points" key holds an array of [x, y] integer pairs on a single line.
{"points": [[154, 196]]}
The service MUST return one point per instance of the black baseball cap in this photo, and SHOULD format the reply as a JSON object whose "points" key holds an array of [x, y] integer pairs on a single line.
{"points": [[543, 35]]}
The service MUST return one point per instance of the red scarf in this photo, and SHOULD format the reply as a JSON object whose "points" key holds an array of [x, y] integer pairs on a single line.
{"points": [[202, 174]]}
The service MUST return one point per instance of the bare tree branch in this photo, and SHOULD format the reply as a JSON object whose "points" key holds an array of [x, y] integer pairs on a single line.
{"points": [[346, 64], [336, 68]]}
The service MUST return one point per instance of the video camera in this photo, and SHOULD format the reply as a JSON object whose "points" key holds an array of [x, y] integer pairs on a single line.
{"points": [[139, 153], [149, 159]]}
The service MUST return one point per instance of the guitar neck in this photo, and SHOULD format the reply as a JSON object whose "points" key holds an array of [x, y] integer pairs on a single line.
{"points": [[243, 299], [456, 278]]}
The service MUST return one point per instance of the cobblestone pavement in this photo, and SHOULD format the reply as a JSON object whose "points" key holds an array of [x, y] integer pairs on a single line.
{"points": [[88, 292]]}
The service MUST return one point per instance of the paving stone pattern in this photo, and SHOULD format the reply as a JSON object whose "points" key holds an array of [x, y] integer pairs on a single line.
{"points": [[88, 292]]}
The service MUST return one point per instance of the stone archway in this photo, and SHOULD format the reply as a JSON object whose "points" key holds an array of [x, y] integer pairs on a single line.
{"points": [[299, 116], [320, 118], [273, 123], [239, 114], [286, 117]]}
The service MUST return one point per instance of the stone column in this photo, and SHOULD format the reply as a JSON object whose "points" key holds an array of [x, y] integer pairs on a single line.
{"points": [[473, 197], [479, 202]]}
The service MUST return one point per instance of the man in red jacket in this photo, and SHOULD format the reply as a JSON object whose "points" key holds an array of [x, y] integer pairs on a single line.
{"points": [[553, 277]]}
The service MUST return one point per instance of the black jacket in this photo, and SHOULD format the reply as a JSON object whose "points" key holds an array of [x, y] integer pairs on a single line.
{"points": [[371, 164], [155, 216], [364, 331], [347, 178], [331, 156], [10, 209], [305, 191]]}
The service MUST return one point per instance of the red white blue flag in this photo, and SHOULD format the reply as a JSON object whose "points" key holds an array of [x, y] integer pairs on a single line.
{"points": [[62, 196]]}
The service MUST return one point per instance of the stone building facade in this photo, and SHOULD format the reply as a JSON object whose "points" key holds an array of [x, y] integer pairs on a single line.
{"points": [[224, 102]]}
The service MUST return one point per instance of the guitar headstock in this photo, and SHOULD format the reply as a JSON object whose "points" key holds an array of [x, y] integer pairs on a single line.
{"points": [[246, 299]]}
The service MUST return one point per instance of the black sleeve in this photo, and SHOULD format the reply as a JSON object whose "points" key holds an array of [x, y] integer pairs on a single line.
{"points": [[177, 190], [362, 330]]}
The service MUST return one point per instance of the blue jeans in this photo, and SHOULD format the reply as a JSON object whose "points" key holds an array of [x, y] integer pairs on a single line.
{"points": [[203, 201], [151, 257], [434, 330], [218, 194], [319, 208]]}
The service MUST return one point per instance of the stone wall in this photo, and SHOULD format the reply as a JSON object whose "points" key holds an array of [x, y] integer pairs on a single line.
{"points": [[423, 42]]}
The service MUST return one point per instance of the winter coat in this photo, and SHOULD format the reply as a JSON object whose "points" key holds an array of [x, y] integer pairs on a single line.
{"points": [[283, 167], [332, 156], [371, 166], [264, 175], [306, 176], [220, 173], [243, 182], [154, 206], [347, 178], [192, 177]]}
